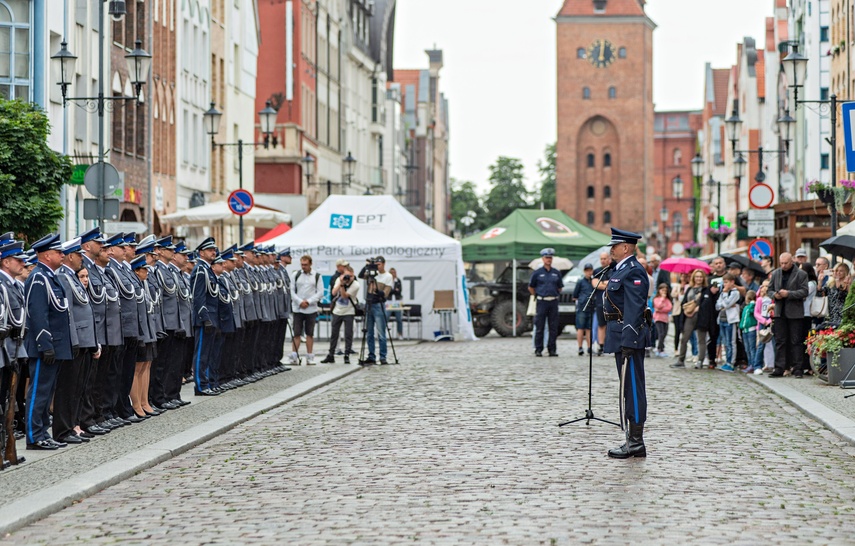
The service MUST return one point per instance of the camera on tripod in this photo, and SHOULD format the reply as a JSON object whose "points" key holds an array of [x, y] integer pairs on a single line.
{"points": [[371, 270]]}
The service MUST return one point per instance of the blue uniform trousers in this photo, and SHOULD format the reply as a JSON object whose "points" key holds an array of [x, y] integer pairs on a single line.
{"points": [[546, 310], [207, 358], [42, 386], [634, 388]]}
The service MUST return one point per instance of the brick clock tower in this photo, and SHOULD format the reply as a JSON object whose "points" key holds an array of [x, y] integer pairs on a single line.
{"points": [[605, 114]]}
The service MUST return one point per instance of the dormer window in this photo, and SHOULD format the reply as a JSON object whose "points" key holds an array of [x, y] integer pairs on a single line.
{"points": [[599, 6]]}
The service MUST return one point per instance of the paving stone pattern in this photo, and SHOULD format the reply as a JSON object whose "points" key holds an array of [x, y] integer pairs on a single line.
{"points": [[459, 445]]}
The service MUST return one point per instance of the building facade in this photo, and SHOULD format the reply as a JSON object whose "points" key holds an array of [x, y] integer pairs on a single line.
{"points": [[605, 155]]}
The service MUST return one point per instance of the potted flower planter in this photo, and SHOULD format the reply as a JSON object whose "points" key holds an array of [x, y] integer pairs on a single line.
{"points": [[718, 236], [845, 362], [826, 196]]}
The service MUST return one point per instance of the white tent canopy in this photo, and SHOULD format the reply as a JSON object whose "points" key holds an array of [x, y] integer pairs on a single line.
{"points": [[357, 227], [218, 213]]}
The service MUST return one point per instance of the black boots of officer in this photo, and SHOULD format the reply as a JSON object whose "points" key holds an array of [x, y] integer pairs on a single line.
{"points": [[634, 446]]}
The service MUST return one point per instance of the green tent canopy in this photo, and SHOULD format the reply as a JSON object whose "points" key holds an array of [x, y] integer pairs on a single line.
{"points": [[523, 234]]}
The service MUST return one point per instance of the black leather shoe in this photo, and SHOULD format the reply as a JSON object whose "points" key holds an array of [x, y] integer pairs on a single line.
{"points": [[181, 403], [71, 439], [48, 445], [86, 436], [553, 354], [205, 392], [125, 422], [538, 353], [368, 362], [96, 430], [383, 362], [169, 406], [330, 359], [133, 419], [776, 373]]}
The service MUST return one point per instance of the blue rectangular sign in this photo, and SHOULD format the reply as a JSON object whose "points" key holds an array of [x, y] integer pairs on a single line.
{"points": [[847, 110]]}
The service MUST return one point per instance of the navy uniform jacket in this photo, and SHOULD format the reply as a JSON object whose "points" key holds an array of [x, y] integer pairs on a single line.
{"points": [[128, 288], [16, 307], [205, 303], [626, 293], [225, 311], [546, 283], [82, 319], [48, 325]]}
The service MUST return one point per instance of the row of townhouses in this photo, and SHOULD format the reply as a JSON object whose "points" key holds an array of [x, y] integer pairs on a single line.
{"points": [[345, 122]]}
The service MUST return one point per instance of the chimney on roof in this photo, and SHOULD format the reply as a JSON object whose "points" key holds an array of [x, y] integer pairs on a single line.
{"points": [[599, 6]]}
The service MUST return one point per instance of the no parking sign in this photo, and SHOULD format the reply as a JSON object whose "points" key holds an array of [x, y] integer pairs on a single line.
{"points": [[759, 248]]}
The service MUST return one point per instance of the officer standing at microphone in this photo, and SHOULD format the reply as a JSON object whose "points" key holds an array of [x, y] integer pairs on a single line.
{"points": [[628, 329], [545, 285]]}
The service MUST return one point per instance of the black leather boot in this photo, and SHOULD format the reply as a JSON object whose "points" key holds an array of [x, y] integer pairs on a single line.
{"points": [[634, 446]]}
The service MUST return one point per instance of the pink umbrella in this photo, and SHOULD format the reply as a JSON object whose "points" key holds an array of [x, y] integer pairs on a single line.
{"points": [[684, 265]]}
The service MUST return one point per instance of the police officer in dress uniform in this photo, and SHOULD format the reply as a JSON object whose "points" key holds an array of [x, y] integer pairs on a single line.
{"points": [[110, 365], [545, 285], [48, 339], [73, 375], [103, 300], [183, 339], [250, 300], [206, 320], [13, 310], [230, 304], [628, 330]]}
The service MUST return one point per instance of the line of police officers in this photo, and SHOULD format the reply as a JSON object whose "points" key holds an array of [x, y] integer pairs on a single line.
{"points": [[101, 333]]}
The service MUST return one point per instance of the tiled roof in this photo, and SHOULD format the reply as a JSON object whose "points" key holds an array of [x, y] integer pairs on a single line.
{"points": [[761, 74], [613, 7], [721, 76]]}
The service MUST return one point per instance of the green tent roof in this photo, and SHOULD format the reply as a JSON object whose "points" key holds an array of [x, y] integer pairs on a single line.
{"points": [[525, 232]]}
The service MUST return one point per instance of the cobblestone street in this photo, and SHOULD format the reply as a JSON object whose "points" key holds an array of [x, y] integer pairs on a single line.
{"points": [[459, 445]]}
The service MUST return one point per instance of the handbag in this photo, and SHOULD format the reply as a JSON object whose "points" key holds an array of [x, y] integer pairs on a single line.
{"points": [[690, 308], [764, 335], [819, 307], [532, 307]]}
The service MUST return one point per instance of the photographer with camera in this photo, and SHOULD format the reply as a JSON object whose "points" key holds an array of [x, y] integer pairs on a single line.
{"points": [[378, 288], [344, 294]]}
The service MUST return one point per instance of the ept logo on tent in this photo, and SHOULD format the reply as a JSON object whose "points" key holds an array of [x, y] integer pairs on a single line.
{"points": [[364, 221]]}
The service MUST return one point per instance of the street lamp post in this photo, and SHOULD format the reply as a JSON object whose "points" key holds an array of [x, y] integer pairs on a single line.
{"points": [[266, 116], [139, 65], [663, 215], [697, 174], [308, 163], [795, 69], [349, 164]]}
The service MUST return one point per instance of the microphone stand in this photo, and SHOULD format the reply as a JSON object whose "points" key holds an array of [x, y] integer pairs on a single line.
{"points": [[589, 413]]}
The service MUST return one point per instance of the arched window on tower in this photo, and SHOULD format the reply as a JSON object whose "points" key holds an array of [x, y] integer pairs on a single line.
{"points": [[586, 93], [678, 156], [607, 160], [590, 192], [607, 192], [580, 53], [590, 161], [590, 218], [612, 92], [621, 53], [607, 217]]}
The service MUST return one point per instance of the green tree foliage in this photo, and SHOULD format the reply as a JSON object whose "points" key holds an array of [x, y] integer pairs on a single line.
{"points": [[31, 173], [546, 168], [507, 189], [465, 203]]}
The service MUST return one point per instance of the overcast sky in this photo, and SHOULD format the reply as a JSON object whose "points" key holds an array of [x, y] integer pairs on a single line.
{"points": [[499, 73]]}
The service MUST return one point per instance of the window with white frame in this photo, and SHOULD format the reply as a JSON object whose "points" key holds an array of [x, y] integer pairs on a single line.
{"points": [[15, 81]]}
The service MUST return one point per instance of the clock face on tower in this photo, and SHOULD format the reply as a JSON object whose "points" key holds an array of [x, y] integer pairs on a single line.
{"points": [[601, 53]]}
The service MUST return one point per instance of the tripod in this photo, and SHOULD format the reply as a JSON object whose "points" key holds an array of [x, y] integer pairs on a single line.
{"points": [[589, 413], [368, 308]]}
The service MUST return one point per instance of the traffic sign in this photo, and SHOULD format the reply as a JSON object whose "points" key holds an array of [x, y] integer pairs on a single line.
{"points": [[111, 179], [90, 209], [761, 228], [124, 227], [847, 111], [240, 202], [759, 248], [761, 196]]}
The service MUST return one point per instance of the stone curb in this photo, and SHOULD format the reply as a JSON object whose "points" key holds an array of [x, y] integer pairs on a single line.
{"points": [[837, 423], [53, 499]]}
